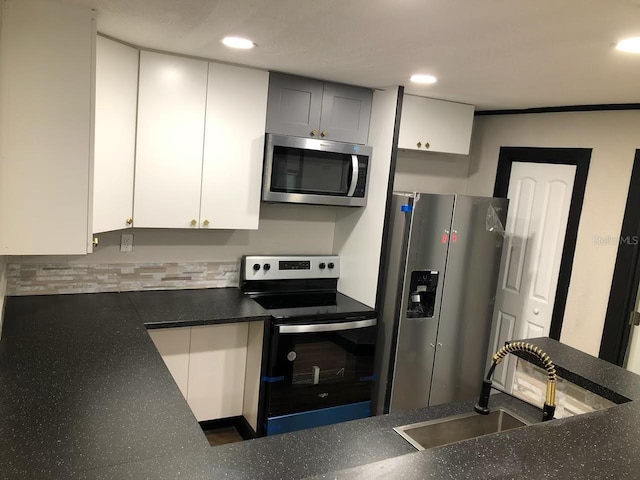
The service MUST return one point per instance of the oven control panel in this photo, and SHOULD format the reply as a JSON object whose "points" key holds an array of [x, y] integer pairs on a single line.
{"points": [[289, 267]]}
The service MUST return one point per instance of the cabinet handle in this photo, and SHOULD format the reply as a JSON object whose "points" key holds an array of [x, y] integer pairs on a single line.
{"points": [[194, 222], [418, 144], [314, 133], [129, 221], [206, 222], [324, 133]]}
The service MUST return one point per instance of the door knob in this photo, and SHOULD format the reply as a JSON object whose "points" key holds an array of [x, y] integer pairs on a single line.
{"points": [[419, 144], [129, 221], [426, 145], [324, 133], [206, 222], [314, 133], [194, 222], [536, 311]]}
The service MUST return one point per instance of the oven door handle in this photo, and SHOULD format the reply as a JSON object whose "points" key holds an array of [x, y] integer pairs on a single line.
{"points": [[354, 175], [326, 327]]}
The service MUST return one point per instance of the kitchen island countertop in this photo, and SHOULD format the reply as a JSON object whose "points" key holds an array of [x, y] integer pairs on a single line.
{"points": [[85, 394]]}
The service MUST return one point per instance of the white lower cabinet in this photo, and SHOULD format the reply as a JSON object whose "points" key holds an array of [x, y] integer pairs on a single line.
{"points": [[173, 345], [217, 363], [216, 367]]}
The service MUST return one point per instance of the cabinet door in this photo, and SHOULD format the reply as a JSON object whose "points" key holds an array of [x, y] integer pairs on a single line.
{"points": [[173, 346], [435, 125], [294, 105], [171, 108], [345, 113], [217, 370], [115, 138], [47, 62], [233, 147]]}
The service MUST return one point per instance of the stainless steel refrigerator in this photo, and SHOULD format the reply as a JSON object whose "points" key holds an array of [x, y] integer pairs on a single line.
{"points": [[439, 292]]}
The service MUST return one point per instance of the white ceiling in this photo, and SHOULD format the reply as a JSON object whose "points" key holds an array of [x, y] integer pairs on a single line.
{"points": [[494, 54]]}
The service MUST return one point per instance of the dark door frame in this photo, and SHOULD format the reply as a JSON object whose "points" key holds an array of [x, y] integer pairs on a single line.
{"points": [[581, 158], [626, 275]]}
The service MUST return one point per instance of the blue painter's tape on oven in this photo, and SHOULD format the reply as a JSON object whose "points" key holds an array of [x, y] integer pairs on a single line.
{"points": [[370, 378], [406, 208], [317, 418], [273, 379]]}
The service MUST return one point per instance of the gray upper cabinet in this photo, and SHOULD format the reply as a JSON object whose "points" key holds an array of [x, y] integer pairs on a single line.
{"points": [[304, 107], [294, 105], [345, 113]]}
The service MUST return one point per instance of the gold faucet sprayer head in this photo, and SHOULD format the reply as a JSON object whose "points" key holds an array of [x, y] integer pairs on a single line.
{"points": [[543, 357]]}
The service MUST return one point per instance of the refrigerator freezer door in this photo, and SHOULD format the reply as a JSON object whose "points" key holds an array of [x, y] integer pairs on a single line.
{"points": [[468, 299], [426, 252]]}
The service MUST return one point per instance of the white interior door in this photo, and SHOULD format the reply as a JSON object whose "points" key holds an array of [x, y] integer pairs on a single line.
{"points": [[633, 352], [540, 196]]}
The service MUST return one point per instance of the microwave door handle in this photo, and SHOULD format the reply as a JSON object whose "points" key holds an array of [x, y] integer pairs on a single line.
{"points": [[354, 175]]}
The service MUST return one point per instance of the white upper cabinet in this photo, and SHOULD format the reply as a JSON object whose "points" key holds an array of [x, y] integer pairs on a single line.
{"points": [[115, 137], [435, 125], [233, 147], [47, 61], [171, 115]]}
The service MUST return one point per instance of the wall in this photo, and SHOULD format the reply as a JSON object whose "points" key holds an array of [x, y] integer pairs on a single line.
{"points": [[358, 231], [166, 259], [283, 228], [614, 137], [431, 172]]}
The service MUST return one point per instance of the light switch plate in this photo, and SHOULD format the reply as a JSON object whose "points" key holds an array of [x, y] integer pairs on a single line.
{"points": [[126, 242]]}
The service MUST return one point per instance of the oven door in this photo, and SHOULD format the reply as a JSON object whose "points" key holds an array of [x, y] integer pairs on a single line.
{"points": [[319, 373], [301, 170]]}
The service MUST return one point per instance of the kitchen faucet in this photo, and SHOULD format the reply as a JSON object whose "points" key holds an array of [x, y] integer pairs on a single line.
{"points": [[549, 408]]}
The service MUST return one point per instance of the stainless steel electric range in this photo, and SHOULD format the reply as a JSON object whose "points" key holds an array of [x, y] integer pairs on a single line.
{"points": [[321, 345]]}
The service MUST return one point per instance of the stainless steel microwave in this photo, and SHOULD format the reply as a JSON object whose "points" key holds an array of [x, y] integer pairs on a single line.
{"points": [[321, 172]]}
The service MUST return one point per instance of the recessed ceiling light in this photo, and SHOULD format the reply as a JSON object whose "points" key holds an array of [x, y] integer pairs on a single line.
{"points": [[630, 45], [238, 42], [422, 78]]}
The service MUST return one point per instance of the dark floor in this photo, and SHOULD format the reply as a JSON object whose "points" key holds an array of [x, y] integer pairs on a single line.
{"points": [[222, 436]]}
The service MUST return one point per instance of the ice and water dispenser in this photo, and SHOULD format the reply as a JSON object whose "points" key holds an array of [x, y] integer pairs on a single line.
{"points": [[422, 294]]}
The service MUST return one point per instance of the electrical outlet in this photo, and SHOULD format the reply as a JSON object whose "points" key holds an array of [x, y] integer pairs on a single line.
{"points": [[126, 242]]}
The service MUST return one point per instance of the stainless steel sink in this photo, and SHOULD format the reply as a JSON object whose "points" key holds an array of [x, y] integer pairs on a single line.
{"points": [[448, 430]]}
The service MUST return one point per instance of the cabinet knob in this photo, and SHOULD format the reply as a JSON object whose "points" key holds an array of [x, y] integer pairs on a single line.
{"points": [[194, 222], [324, 133], [206, 222], [314, 133], [129, 221], [426, 145], [418, 144]]}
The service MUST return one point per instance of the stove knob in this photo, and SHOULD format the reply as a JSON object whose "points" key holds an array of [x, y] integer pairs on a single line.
{"points": [[256, 266], [322, 265], [267, 267], [331, 265]]}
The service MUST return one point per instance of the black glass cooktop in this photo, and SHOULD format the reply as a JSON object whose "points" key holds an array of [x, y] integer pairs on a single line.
{"points": [[303, 305]]}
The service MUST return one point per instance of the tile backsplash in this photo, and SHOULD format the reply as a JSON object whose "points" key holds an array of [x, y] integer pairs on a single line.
{"points": [[50, 279]]}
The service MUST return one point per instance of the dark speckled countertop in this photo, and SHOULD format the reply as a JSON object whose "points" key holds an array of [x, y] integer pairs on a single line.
{"points": [[182, 308], [84, 394]]}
